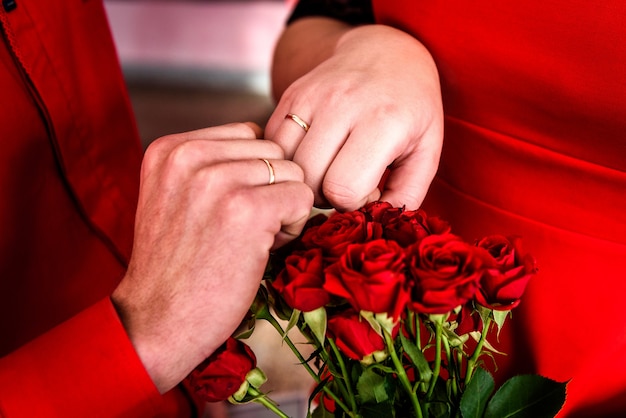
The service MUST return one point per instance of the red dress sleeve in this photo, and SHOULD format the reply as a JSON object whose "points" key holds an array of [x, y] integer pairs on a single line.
{"points": [[48, 376]]}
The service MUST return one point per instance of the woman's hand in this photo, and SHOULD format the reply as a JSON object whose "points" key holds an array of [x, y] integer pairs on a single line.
{"points": [[206, 221], [372, 99]]}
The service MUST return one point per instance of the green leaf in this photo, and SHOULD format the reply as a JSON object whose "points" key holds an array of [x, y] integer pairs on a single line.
{"points": [[485, 313], [418, 359], [379, 410], [372, 387], [316, 320], [453, 339], [256, 377], [293, 321], [529, 396], [439, 404], [486, 344], [369, 317], [241, 392], [499, 317], [477, 394]]}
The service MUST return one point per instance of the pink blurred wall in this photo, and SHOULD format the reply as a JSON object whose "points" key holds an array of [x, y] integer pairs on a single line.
{"points": [[211, 35]]}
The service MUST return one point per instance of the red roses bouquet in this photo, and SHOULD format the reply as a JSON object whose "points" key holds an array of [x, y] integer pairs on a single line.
{"points": [[399, 311]]}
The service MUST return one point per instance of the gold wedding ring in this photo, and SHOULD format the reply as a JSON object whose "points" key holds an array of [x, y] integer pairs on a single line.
{"points": [[270, 168], [298, 120]]}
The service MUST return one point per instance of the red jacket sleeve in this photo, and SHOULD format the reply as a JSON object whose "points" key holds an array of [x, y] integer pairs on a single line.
{"points": [[84, 367]]}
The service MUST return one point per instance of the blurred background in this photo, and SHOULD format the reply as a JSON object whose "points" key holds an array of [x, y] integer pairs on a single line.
{"points": [[190, 64], [195, 63]]}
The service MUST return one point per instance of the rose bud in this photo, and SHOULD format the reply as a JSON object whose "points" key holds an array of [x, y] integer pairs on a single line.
{"points": [[301, 281], [503, 283], [411, 226], [339, 231], [223, 372], [354, 336]]}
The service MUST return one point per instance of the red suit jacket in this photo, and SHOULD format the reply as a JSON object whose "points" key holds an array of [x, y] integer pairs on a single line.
{"points": [[69, 169]]}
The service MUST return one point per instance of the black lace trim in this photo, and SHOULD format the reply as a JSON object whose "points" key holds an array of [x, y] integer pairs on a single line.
{"points": [[355, 12]]}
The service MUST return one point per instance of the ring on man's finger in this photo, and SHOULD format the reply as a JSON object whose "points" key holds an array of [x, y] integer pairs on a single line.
{"points": [[297, 119], [270, 168]]}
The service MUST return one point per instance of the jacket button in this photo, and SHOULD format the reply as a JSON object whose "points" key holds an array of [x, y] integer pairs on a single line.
{"points": [[9, 5]]}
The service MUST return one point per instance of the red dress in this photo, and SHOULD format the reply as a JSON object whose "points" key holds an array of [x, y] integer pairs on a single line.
{"points": [[535, 144], [69, 168]]}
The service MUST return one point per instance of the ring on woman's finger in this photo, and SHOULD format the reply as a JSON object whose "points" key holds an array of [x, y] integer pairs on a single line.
{"points": [[270, 168], [297, 119]]}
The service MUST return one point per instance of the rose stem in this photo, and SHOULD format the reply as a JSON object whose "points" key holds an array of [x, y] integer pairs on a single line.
{"points": [[437, 368], [451, 367], [346, 377], [262, 399], [294, 349], [471, 363], [404, 379]]}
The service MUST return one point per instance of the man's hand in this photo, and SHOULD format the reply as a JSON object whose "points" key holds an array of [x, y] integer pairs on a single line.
{"points": [[206, 221]]}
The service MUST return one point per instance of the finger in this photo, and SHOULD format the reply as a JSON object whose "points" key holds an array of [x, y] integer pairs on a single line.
{"points": [[279, 213], [161, 149], [193, 154], [284, 106], [318, 151], [292, 201], [257, 172], [290, 132], [231, 131], [410, 177], [354, 174]]}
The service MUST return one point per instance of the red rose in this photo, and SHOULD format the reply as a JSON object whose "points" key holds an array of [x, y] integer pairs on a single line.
{"points": [[354, 336], [371, 277], [223, 373], [339, 231], [375, 211], [411, 226], [468, 320], [445, 271], [503, 283], [300, 282]]}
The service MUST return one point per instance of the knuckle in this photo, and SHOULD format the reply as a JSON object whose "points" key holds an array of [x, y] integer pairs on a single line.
{"points": [[155, 153], [295, 171], [242, 204], [181, 155], [209, 179], [276, 151], [246, 129]]}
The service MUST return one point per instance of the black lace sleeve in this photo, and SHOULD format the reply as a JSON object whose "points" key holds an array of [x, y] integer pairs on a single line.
{"points": [[354, 12]]}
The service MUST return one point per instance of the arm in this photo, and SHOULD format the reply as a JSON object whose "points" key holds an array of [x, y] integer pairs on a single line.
{"points": [[371, 96], [293, 56], [205, 223]]}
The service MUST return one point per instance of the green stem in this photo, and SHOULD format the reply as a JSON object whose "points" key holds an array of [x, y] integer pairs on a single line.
{"points": [[410, 324], [418, 332], [404, 379], [451, 369], [346, 376], [304, 363], [293, 347], [437, 366], [266, 402], [471, 363]]}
